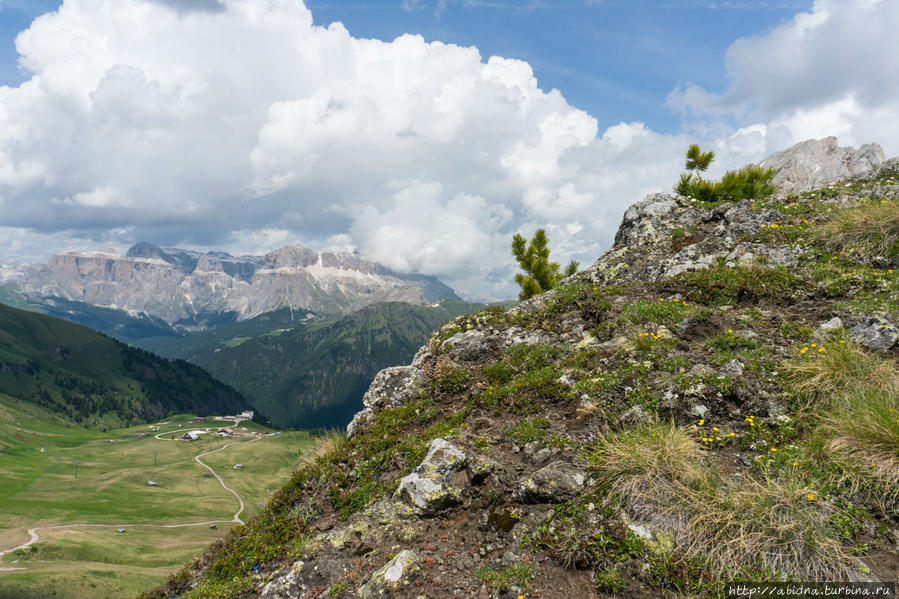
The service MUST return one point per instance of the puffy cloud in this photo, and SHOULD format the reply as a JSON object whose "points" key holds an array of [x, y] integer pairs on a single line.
{"points": [[825, 72], [241, 125]]}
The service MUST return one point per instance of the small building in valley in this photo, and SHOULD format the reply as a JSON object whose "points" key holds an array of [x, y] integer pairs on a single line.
{"points": [[190, 436]]}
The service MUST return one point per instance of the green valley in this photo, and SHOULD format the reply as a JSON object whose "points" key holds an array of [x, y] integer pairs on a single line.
{"points": [[79, 552]]}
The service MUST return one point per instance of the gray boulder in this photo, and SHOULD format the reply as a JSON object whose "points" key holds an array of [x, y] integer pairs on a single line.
{"points": [[831, 325], [817, 162], [468, 345], [392, 387], [734, 368], [875, 333], [555, 483]]}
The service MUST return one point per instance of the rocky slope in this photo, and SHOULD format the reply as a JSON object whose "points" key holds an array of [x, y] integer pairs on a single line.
{"points": [[196, 290], [714, 399]]}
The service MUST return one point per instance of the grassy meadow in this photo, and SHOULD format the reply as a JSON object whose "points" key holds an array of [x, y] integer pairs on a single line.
{"points": [[38, 456]]}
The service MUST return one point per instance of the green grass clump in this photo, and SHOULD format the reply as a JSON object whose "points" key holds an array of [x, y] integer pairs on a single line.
{"points": [[610, 581], [856, 395], [725, 285], [452, 379], [498, 373], [730, 341], [500, 580], [584, 297], [657, 311], [836, 372], [866, 433], [531, 429], [531, 357], [542, 384]]}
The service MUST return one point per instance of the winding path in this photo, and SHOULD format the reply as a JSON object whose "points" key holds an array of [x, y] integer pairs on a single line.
{"points": [[32, 532], [222, 482]]}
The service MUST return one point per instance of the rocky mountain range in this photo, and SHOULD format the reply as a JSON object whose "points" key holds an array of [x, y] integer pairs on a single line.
{"points": [[714, 400], [195, 290]]}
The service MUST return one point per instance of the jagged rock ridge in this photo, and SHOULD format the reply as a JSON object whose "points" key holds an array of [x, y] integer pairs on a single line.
{"points": [[195, 289]]}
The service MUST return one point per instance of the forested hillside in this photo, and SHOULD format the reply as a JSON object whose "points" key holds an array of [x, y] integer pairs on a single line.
{"points": [[97, 381]]}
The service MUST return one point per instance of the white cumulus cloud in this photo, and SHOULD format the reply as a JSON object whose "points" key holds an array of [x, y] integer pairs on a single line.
{"points": [[828, 71], [239, 123]]}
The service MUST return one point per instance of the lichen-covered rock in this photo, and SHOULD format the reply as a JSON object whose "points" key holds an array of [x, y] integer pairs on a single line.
{"points": [[558, 482], [518, 335], [441, 480], [429, 492], [392, 387], [771, 255], [479, 468], [818, 162], [875, 333], [645, 247], [393, 576], [468, 345], [434, 485], [303, 577], [640, 219], [285, 584]]}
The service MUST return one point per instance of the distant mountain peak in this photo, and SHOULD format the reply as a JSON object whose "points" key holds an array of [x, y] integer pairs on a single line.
{"points": [[193, 289]]}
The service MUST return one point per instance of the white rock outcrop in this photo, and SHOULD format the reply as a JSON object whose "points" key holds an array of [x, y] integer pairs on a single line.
{"points": [[817, 162]]}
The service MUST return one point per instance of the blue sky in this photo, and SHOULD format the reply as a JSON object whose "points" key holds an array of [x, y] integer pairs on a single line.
{"points": [[420, 133], [616, 59]]}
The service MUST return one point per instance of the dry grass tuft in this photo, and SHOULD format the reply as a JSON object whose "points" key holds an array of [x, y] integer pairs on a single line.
{"points": [[329, 444], [863, 436], [872, 229], [840, 372], [859, 431], [775, 525]]}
